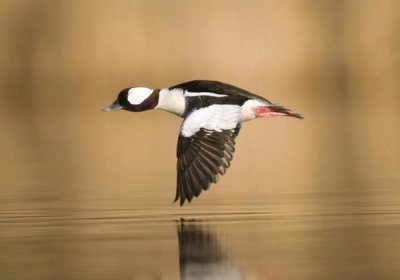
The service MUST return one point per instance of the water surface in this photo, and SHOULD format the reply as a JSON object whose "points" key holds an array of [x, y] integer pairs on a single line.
{"points": [[280, 236]]}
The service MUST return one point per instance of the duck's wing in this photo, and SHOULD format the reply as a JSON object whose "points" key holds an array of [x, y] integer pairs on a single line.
{"points": [[205, 148]]}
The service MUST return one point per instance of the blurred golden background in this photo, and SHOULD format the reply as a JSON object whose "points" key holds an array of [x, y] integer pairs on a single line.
{"points": [[326, 188], [336, 62]]}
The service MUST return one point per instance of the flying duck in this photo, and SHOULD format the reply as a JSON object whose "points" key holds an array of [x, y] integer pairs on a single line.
{"points": [[212, 114]]}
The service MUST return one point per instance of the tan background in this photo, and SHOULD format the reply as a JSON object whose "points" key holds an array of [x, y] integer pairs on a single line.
{"points": [[335, 62]]}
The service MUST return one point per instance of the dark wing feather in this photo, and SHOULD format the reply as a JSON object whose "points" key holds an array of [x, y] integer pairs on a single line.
{"points": [[201, 159]]}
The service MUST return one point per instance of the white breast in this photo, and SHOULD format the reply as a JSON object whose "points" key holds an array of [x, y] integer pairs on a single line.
{"points": [[171, 101]]}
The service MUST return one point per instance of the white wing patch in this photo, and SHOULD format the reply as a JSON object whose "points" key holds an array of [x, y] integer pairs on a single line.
{"points": [[138, 94], [192, 94], [214, 117]]}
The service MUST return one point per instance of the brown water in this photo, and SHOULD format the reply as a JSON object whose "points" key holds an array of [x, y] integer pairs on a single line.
{"points": [[336, 235]]}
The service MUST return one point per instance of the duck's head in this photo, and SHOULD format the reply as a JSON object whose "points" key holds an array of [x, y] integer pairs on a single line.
{"points": [[135, 99]]}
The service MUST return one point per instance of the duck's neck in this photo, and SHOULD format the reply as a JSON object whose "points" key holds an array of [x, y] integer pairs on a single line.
{"points": [[172, 101]]}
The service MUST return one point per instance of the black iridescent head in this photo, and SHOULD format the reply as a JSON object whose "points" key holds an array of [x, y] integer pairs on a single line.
{"points": [[135, 100]]}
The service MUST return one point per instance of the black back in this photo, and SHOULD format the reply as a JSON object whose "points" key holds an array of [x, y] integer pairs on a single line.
{"points": [[234, 95]]}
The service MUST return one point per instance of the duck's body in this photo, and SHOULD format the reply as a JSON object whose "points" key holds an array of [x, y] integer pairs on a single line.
{"points": [[213, 113]]}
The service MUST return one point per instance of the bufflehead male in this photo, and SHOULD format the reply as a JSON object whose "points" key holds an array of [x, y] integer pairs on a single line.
{"points": [[212, 114]]}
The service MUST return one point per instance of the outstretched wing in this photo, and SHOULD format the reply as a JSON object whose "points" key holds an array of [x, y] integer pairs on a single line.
{"points": [[205, 148]]}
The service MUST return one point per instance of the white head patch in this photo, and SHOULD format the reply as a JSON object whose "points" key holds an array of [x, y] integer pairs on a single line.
{"points": [[138, 94]]}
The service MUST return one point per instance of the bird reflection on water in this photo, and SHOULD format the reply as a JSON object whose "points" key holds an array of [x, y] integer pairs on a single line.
{"points": [[202, 254]]}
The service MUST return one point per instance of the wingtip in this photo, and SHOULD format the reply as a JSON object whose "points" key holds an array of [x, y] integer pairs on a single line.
{"points": [[297, 116], [181, 200]]}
